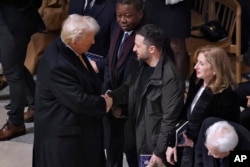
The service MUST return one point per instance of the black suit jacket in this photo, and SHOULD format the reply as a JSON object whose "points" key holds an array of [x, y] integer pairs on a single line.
{"points": [[201, 153], [68, 130], [117, 70]]}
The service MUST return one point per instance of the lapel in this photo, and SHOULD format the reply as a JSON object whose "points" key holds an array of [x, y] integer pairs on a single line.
{"points": [[202, 104], [127, 48], [114, 45], [117, 36], [87, 77], [81, 5], [93, 77]]}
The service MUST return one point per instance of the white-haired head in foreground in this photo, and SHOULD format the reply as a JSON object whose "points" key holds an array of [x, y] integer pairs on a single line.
{"points": [[221, 138]]}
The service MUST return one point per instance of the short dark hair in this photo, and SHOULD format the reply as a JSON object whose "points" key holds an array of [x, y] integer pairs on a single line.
{"points": [[138, 4], [153, 35]]}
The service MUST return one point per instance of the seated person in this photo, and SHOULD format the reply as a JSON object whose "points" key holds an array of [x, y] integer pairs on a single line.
{"points": [[211, 150]]}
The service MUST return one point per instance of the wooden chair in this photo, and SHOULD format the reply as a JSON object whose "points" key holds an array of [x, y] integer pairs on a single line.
{"points": [[228, 13]]}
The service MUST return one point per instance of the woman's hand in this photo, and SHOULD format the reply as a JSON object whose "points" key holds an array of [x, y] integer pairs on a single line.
{"points": [[187, 142]]}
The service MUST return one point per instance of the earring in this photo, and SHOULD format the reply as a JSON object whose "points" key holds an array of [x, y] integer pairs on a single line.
{"points": [[214, 73]]}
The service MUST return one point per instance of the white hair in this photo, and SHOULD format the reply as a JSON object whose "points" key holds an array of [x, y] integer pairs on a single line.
{"points": [[75, 27], [222, 136]]}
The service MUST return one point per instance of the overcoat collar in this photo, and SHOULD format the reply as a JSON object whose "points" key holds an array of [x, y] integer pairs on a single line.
{"points": [[72, 57]]}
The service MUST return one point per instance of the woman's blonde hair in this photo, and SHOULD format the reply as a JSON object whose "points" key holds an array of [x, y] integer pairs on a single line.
{"points": [[221, 66]]}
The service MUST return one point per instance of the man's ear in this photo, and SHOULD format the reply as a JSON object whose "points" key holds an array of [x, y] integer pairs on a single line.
{"points": [[73, 44], [151, 49]]}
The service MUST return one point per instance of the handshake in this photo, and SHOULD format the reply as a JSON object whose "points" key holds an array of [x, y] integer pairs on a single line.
{"points": [[108, 99], [116, 111]]}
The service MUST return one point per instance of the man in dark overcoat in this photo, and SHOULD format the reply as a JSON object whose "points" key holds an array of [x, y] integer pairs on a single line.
{"points": [[68, 121]]}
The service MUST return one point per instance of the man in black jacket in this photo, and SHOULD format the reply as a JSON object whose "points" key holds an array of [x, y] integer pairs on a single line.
{"points": [[154, 93]]}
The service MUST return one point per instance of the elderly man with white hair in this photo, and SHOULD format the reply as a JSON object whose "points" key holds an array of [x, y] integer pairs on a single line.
{"points": [[217, 138], [68, 120]]}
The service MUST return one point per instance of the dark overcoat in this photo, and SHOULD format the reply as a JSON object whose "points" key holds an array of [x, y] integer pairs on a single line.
{"points": [[68, 120]]}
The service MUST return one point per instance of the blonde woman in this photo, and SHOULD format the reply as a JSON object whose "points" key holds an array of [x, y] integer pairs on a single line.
{"points": [[210, 94]]}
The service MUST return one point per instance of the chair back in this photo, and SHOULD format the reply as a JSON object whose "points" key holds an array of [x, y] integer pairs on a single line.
{"points": [[228, 13]]}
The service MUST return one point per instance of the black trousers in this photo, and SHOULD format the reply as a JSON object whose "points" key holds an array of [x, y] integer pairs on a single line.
{"points": [[13, 45], [115, 147]]}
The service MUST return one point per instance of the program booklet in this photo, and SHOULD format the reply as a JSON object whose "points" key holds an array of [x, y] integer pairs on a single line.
{"points": [[180, 128], [144, 160], [94, 57]]}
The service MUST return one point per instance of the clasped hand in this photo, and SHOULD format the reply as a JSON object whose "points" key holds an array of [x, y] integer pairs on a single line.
{"points": [[109, 102]]}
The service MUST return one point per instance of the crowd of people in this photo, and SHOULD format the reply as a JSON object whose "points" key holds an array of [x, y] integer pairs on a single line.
{"points": [[111, 76]]}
